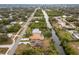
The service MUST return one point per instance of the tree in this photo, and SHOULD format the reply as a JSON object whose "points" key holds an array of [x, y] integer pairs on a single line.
{"points": [[5, 22], [69, 50], [33, 51], [3, 37], [71, 19], [14, 28], [76, 23], [2, 28], [47, 33]]}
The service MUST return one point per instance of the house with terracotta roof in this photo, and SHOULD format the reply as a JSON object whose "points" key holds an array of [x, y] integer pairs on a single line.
{"points": [[36, 38]]}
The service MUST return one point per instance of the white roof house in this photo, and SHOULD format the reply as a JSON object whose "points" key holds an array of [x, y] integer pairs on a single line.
{"points": [[8, 26], [25, 16], [0, 18], [36, 31], [36, 21], [10, 17], [25, 39], [20, 23], [24, 43], [76, 35], [64, 16], [10, 35], [13, 22]]}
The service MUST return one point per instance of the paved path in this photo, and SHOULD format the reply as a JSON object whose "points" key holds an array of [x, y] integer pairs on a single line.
{"points": [[54, 36], [5, 46]]}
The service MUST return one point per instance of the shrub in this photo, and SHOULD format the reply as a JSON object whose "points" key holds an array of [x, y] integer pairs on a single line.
{"points": [[14, 28]]}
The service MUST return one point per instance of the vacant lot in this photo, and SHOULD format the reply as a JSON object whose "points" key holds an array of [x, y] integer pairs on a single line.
{"points": [[72, 48], [47, 49], [3, 50]]}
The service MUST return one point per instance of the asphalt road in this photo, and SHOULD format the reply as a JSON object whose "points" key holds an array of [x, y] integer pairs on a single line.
{"points": [[21, 32]]}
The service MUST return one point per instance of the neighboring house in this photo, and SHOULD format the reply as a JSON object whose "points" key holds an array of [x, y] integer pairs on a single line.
{"points": [[25, 16], [8, 26], [64, 16], [20, 23], [1, 17], [36, 38], [10, 18], [63, 23], [36, 21], [13, 22], [10, 35], [3, 28], [24, 41]]}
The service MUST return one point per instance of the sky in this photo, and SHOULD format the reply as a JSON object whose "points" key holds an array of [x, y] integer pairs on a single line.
{"points": [[39, 2]]}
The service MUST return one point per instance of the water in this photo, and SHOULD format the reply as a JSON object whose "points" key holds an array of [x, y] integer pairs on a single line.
{"points": [[54, 36]]}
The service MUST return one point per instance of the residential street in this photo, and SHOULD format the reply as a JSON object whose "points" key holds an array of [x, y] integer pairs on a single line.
{"points": [[54, 36], [21, 32]]}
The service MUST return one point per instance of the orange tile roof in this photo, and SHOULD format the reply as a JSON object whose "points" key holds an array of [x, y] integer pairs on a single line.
{"points": [[36, 37]]}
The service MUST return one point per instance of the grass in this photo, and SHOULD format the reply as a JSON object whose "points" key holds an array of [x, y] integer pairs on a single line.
{"points": [[63, 35], [47, 49], [9, 41], [3, 50], [38, 13], [54, 12], [72, 48]]}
